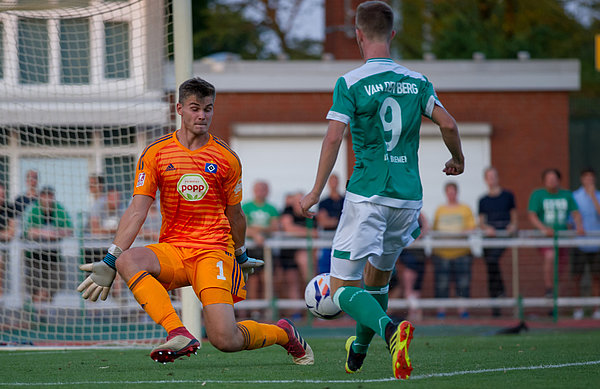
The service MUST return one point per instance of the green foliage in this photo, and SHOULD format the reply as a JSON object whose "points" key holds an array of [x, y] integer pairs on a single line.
{"points": [[409, 40], [223, 28], [502, 28]]}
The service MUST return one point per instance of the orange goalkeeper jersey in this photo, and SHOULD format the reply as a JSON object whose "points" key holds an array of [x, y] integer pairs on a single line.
{"points": [[195, 187]]}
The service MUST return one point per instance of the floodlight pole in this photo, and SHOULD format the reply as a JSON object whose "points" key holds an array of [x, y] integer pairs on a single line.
{"points": [[183, 58]]}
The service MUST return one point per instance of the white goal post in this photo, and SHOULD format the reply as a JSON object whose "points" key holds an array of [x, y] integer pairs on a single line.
{"points": [[82, 92]]}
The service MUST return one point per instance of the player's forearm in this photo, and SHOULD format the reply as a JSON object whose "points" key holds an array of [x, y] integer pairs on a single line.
{"points": [[329, 152], [451, 139], [129, 226], [237, 222], [449, 131]]}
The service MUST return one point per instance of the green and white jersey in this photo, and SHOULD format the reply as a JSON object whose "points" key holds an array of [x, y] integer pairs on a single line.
{"points": [[553, 209], [383, 103]]}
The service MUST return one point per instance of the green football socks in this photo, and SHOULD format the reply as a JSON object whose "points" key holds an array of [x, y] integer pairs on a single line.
{"points": [[368, 311], [364, 334]]}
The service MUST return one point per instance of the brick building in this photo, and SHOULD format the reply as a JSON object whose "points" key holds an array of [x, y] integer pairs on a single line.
{"points": [[512, 114]]}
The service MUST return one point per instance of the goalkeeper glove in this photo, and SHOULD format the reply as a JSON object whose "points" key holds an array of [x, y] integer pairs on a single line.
{"points": [[246, 263], [103, 274]]}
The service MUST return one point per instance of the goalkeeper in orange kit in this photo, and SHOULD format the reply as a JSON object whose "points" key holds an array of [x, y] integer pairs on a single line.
{"points": [[201, 239]]}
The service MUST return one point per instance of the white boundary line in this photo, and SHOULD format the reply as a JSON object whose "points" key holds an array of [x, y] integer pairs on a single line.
{"points": [[418, 377]]}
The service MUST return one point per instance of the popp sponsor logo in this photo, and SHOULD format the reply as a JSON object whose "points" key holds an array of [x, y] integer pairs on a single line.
{"points": [[192, 187]]}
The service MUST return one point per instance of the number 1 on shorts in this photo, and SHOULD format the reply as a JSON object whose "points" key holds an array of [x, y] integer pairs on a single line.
{"points": [[221, 276]]}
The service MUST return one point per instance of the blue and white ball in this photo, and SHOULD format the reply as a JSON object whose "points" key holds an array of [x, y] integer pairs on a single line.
{"points": [[318, 298]]}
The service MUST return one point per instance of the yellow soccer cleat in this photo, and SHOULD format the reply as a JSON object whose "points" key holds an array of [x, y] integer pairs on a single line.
{"points": [[398, 345], [354, 361]]}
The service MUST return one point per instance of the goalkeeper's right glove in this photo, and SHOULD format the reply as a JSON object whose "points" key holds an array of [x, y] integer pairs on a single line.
{"points": [[103, 274], [246, 263]]}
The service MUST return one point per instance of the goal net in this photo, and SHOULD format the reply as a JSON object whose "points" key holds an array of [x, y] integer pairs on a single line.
{"points": [[82, 92]]}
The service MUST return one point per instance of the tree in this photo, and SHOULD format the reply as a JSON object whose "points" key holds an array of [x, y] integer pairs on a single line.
{"points": [[252, 29], [224, 28], [455, 29]]}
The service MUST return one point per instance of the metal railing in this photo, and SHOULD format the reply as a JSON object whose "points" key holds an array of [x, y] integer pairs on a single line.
{"points": [[72, 248], [474, 240]]}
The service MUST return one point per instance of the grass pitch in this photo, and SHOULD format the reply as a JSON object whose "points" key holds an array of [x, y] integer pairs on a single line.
{"points": [[532, 360]]}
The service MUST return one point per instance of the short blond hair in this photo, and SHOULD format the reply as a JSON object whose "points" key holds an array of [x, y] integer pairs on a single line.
{"points": [[375, 19]]}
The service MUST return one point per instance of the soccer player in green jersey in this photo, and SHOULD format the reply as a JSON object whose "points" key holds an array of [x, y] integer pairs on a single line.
{"points": [[383, 103]]}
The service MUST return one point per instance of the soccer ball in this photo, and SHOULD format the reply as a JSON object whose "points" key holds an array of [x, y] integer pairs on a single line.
{"points": [[318, 298]]}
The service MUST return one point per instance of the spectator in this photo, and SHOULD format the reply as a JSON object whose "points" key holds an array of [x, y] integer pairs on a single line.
{"points": [[453, 263], [328, 217], [7, 230], [497, 215], [548, 210], [105, 214], [587, 198], [413, 260], [103, 217], [30, 195], [262, 220], [46, 221], [295, 261], [96, 189]]}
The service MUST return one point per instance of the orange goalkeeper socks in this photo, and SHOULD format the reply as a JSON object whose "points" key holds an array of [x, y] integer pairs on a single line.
{"points": [[259, 335], [154, 299]]}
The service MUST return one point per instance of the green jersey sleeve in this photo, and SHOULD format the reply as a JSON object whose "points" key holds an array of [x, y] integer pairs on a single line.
{"points": [[343, 107], [428, 98], [534, 202]]}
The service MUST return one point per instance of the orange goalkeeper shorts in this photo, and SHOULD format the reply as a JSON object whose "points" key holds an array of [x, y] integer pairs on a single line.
{"points": [[202, 269]]}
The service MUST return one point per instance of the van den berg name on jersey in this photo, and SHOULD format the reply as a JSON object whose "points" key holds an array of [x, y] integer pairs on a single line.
{"points": [[399, 88]]}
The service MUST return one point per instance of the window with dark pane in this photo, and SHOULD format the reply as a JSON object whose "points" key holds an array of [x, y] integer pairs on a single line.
{"points": [[119, 136], [56, 136], [117, 62], [1, 50], [75, 51], [119, 171], [33, 51], [4, 174]]}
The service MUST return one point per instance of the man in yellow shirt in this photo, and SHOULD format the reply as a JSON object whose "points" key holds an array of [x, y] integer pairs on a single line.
{"points": [[452, 263]]}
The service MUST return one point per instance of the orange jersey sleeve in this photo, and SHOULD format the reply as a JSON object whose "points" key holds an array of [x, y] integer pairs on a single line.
{"points": [[195, 188]]}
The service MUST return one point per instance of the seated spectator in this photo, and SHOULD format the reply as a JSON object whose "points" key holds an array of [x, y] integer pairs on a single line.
{"points": [[453, 263], [328, 217], [7, 231], [46, 221]]}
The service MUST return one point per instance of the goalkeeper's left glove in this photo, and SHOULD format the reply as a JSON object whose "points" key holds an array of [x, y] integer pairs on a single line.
{"points": [[103, 274], [246, 263]]}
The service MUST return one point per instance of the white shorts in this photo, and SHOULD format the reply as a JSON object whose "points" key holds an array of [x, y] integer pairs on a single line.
{"points": [[372, 232]]}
